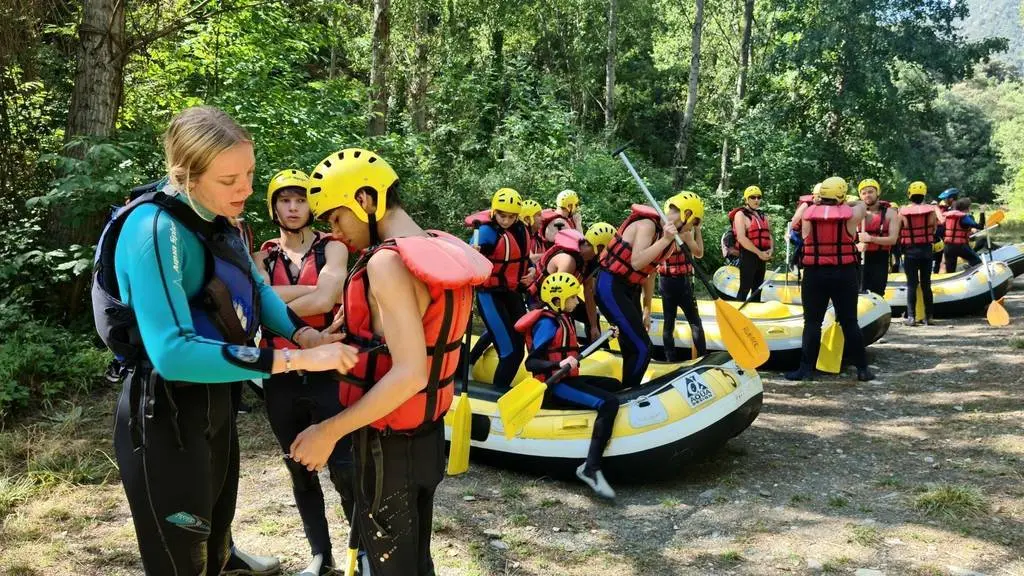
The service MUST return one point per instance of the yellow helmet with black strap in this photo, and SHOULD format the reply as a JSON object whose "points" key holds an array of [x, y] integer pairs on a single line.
{"points": [[336, 181], [288, 178], [506, 200], [684, 202], [559, 287]]}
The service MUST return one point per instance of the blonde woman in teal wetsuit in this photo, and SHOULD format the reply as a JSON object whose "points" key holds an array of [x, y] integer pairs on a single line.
{"points": [[176, 294]]}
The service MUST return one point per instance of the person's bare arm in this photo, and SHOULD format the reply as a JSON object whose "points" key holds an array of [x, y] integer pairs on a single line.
{"points": [[590, 301], [562, 263], [648, 297], [695, 242], [891, 238], [329, 285], [799, 215], [646, 247]]}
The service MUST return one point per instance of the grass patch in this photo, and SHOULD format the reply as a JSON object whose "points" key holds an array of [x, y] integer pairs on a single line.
{"points": [[670, 502], [443, 524], [15, 490], [889, 482], [798, 498], [731, 557], [511, 489], [928, 570], [836, 565], [519, 519], [837, 502], [549, 503], [1017, 343], [868, 536], [952, 502]]}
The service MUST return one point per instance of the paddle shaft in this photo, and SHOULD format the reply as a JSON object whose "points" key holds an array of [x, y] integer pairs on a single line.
{"points": [[621, 155], [983, 231], [763, 284], [558, 375], [988, 269], [863, 254]]}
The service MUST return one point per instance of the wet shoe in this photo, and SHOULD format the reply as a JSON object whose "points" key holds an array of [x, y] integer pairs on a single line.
{"points": [[242, 564], [596, 482], [865, 374]]}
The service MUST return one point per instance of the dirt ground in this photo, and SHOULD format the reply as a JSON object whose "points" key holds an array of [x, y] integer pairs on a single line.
{"points": [[920, 472]]}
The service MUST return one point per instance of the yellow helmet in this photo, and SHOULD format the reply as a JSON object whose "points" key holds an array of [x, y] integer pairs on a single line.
{"points": [[684, 201], [938, 246], [817, 190], [751, 191], [600, 234], [288, 178], [337, 178], [506, 200], [567, 199], [530, 209], [869, 183], [835, 188], [560, 285], [917, 188]]}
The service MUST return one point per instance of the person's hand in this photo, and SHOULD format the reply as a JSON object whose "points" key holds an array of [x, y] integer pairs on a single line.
{"points": [[647, 319], [312, 447], [334, 356], [529, 278], [764, 255], [862, 247], [864, 237], [571, 362], [615, 331], [594, 333], [308, 337], [669, 232]]}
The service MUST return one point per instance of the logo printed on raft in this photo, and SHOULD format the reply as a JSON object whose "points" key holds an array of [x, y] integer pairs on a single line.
{"points": [[697, 392]]}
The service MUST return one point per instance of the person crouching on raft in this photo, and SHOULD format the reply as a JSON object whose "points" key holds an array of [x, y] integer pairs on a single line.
{"points": [[754, 238], [880, 232], [627, 266], [505, 241], [307, 270], [573, 254], [567, 204], [686, 212], [831, 272], [407, 304], [176, 294], [918, 222], [957, 236], [551, 339]]}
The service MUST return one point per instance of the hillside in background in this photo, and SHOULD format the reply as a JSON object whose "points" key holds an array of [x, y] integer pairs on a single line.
{"points": [[998, 18]]}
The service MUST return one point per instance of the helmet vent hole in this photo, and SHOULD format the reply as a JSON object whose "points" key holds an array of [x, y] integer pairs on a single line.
{"points": [[318, 176], [372, 159], [314, 190], [341, 155], [327, 163], [356, 154]]}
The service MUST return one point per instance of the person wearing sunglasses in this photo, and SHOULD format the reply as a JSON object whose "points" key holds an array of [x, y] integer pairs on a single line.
{"points": [[753, 240]]}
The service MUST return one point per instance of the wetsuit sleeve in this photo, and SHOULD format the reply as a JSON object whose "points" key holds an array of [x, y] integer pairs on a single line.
{"points": [[543, 333], [157, 296], [488, 239], [969, 222], [274, 313]]}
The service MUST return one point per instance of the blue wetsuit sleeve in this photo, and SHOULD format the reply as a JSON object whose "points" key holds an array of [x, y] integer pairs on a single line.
{"points": [[543, 333], [160, 304], [488, 239], [969, 222], [274, 313]]}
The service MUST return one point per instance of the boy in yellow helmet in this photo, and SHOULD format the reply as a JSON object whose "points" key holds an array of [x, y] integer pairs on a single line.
{"points": [[686, 211]]}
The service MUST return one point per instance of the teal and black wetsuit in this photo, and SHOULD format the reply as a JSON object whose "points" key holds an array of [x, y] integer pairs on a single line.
{"points": [[174, 435]]}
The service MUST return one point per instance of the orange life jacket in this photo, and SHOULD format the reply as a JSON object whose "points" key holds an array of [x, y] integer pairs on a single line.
{"points": [[956, 233], [618, 255], [917, 231], [562, 346], [450, 269], [877, 225], [830, 242], [279, 270]]}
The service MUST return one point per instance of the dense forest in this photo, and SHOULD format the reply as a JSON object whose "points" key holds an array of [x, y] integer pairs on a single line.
{"points": [[464, 97]]}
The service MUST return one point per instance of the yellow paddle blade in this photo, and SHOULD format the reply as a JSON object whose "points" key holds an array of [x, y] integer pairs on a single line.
{"points": [[830, 355], [995, 218], [919, 308], [742, 339], [350, 564], [458, 455], [519, 405], [997, 314]]}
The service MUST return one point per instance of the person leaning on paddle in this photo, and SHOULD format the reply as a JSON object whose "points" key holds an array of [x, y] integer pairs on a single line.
{"points": [[830, 260], [407, 304]]}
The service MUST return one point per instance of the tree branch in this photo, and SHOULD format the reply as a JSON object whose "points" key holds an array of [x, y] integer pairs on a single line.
{"points": [[190, 17]]}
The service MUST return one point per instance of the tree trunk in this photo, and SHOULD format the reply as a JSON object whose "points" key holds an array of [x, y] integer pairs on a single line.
{"points": [[99, 77], [741, 92], [686, 126], [609, 67], [420, 81], [378, 68]]}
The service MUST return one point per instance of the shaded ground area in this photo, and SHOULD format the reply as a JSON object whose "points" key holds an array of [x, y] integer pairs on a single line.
{"points": [[920, 472]]}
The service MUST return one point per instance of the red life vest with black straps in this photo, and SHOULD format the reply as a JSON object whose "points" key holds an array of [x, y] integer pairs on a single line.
{"points": [[511, 254], [830, 242], [279, 269], [956, 234], [563, 345], [450, 269], [618, 255], [758, 231], [877, 225], [917, 231], [566, 242], [676, 265]]}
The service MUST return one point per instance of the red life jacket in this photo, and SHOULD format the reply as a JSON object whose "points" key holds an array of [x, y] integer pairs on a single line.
{"points": [[956, 234], [676, 265], [917, 230], [877, 225], [562, 346], [618, 255], [510, 258], [759, 232], [279, 270], [566, 242], [450, 269], [830, 242], [805, 199]]}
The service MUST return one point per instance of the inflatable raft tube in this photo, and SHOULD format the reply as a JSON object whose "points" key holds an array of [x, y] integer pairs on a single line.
{"points": [[681, 413], [781, 324], [1013, 255], [958, 294]]}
